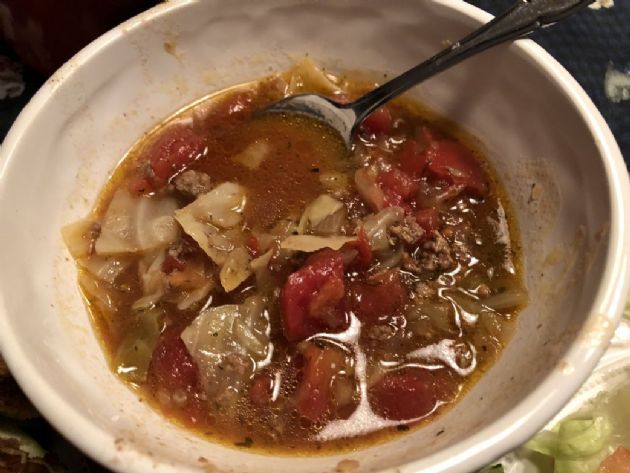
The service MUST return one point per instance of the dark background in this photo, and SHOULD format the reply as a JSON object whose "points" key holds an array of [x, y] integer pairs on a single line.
{"points": [[585, 44]]}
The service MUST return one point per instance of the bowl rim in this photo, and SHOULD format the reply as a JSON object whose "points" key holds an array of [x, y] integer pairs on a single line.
{"points": [[474, 452]]}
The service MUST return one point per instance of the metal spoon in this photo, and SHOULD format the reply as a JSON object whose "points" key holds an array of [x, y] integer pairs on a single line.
{"points": [[524, 17]]}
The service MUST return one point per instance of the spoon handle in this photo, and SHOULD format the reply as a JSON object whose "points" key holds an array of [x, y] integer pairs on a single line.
{"points": [[521, 19]]}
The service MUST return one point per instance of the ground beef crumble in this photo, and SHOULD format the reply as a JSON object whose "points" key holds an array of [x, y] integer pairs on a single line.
{"points": [[408, 230], [194, 183]]}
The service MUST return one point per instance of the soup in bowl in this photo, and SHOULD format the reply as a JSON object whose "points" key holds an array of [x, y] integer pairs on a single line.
{"points": [[327, 325]]}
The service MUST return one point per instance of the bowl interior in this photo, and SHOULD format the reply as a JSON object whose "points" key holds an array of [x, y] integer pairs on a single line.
{"points": [[99, 104]]}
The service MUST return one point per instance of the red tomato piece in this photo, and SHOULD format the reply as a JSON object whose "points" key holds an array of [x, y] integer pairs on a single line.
{"points": [[428, 219], [324, 305], [617, 462], [261, 389], [425, 136], [412, 158], [397, 186], [452, 162], [140, 184], [312, 297], [380, 296], [404, 395], [172, 263], [364, 255], [314, 395], [171, 364], [253, 246], [379, 121], [173, 150]]}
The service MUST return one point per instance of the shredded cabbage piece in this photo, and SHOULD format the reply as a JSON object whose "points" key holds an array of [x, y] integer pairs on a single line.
{"points": [[226, 342], [106, 268], [236, 269], [306, 73], [210, 221], [312, 243], [253, 155], [136, 224], [153, 280], [75, 236], [376, 227], [134, 353], [317, 212]]}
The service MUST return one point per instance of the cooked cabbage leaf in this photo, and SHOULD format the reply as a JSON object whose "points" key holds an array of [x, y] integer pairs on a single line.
{"points": [[312, 243], [76, 236], [136, 224], [306, 75], [253, 155], [376, 227], [153, 280], [236, 269], [134, 353], [226, 342], [106, 268], [210, 221], [318, 212]]}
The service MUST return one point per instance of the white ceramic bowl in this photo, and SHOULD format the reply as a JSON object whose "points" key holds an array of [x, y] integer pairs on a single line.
{"points": [[563, 170]]}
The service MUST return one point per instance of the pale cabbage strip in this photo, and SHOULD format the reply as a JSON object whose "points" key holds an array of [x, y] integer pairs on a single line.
{"points": [[208, 220], [136, 224]]}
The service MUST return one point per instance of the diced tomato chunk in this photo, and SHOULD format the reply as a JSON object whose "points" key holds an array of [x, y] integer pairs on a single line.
{"points": [[428, 219], [312, 297], [140, 184], [452, 162], [617, 462], [261, 389], [397, 186], [380, 296], [425, 136], [412, 158], [379, 121], [173, 150], [253, 246], [404, 395], [364, 255], [171, 365], [314, 395], [324, 305], [172, 263]]}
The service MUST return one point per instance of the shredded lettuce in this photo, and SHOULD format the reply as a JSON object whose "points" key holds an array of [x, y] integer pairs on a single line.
{"points": [[582, 438], [579, 443]]}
